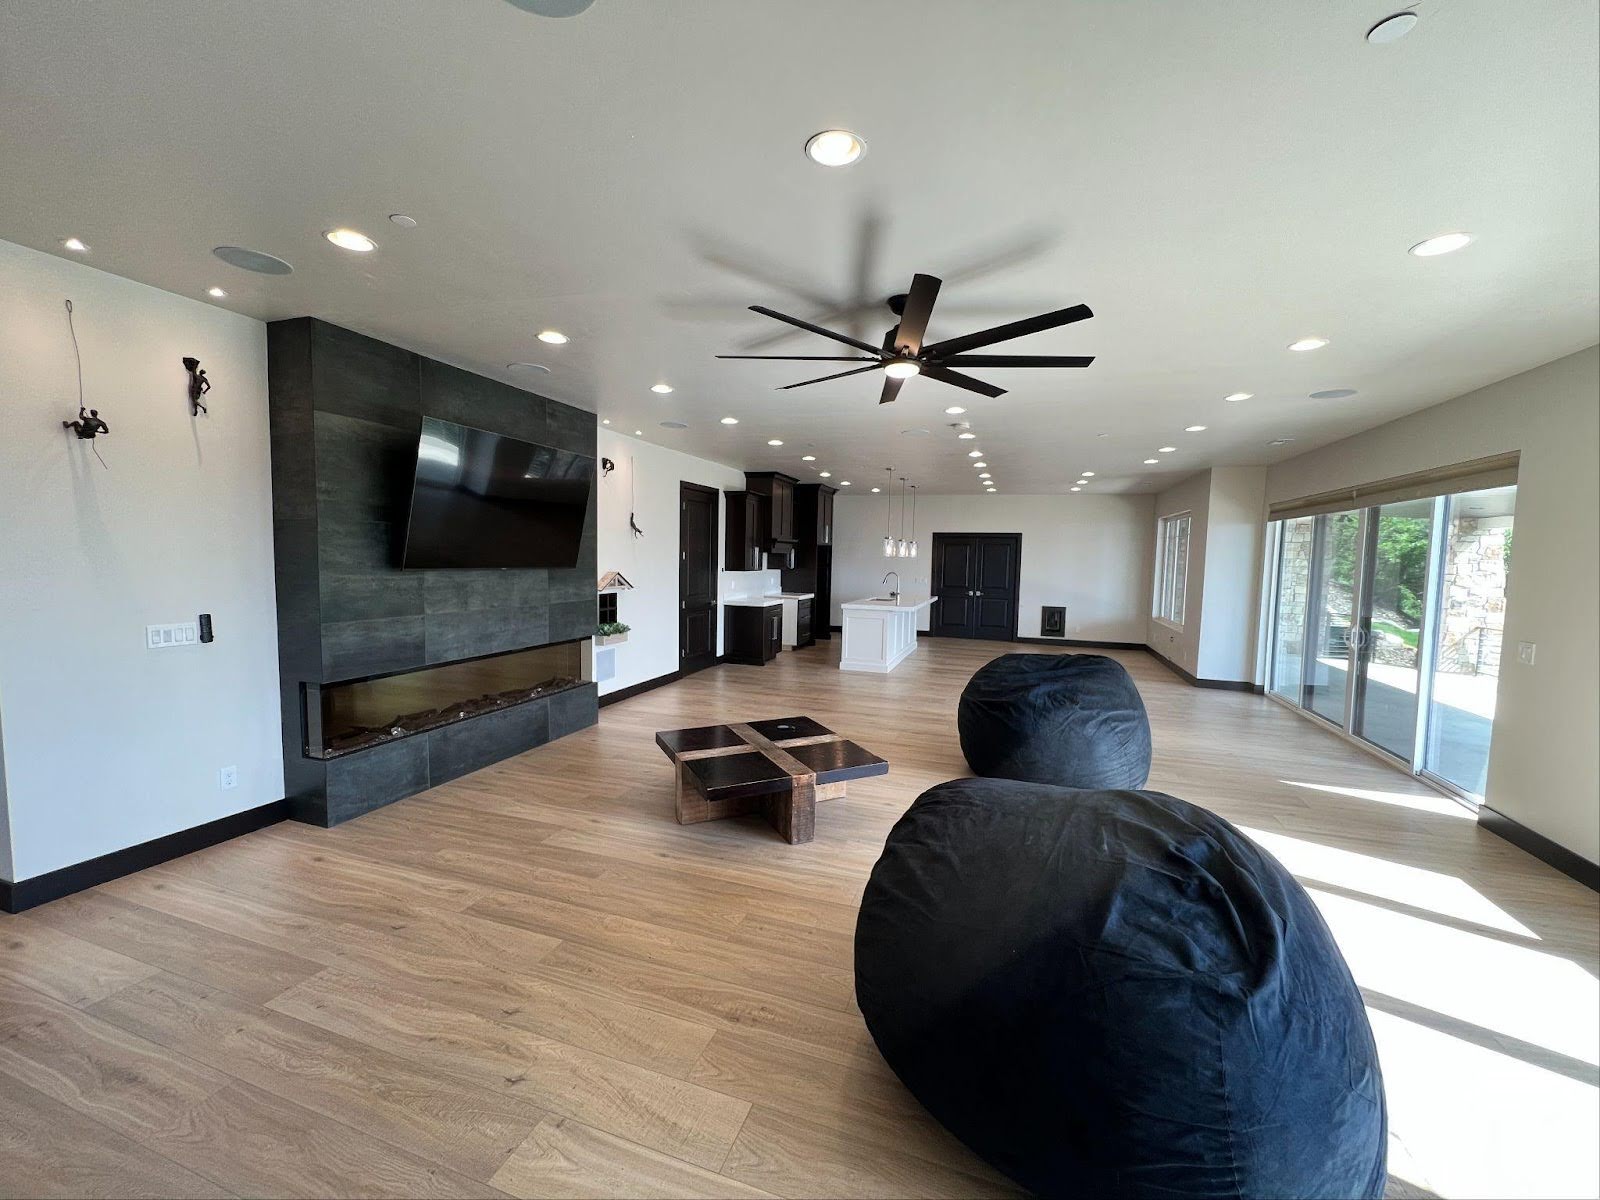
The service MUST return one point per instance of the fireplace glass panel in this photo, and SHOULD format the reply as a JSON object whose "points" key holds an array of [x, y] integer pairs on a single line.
{"points": [[367, 712]]}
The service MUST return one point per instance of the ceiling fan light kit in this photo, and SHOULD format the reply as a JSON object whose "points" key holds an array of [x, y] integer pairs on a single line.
{"points": [[903, 353]]}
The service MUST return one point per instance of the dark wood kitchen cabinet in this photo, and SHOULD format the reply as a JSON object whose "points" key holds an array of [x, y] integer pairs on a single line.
{"points": [[778, 491], [745, 530], [813, 514], [752, 636], [803, 629]]}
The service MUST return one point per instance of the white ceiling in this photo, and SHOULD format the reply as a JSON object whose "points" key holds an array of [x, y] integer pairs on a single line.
{"points": [[1214, 180]]}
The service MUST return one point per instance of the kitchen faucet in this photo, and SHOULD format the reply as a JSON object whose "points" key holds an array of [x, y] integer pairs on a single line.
{"points": [[895, 594]]}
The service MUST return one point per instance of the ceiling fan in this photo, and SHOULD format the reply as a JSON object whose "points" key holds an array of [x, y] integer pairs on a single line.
{"points": [[903, 355]]}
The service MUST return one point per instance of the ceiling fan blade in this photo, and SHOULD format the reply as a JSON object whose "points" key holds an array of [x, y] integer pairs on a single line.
{"points": [[818, 329], [891, 389], [914, 316], [803, 357], [1004, 333], [1017, 360], [962, 381], [825, 378]]}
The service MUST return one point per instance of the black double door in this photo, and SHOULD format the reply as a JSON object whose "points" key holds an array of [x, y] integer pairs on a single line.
{"points": [[975, 579], [697, 576]]}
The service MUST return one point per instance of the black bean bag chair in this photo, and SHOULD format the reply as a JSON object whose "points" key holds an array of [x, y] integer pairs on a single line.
{"points": [[1075, 720], [1117, 994]]}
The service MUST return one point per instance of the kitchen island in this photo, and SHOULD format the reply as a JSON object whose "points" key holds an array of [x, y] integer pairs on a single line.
{"points": [[879, 633]]}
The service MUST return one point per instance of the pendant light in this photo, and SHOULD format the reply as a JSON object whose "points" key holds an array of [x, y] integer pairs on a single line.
{"points": [[888, 516], [902, 548], [913, 551]]}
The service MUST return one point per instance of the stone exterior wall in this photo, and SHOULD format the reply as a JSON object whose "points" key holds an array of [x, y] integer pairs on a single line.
{"points": [[1474, 612]]}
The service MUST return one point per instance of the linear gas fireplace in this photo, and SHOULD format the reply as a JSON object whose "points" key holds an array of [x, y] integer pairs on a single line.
{"points": [[341, 718]]}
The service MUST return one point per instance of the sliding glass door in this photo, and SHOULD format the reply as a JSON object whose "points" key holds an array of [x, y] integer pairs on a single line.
{"points": [[1386, 623], [1388, 627]]}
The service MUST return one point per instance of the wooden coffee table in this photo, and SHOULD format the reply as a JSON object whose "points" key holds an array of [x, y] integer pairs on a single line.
{"points": [[779, 768]]}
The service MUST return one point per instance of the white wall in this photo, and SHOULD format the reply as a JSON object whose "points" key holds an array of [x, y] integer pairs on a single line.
{"points": [[650, 562], [106, 743], [1182, 645], [1089, 553], [1226, 522], [1235, 532], [1543, 768]]}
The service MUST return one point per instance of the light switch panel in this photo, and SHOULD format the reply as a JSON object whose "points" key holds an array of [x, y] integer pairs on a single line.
{"points": [[1525, 652], [163, 637]]}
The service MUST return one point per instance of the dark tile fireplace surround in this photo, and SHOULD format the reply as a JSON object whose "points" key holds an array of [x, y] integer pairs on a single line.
{"points": [[394, 681]]}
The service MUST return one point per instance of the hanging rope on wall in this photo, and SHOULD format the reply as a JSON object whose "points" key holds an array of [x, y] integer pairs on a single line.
{"points": [[633, 496]]}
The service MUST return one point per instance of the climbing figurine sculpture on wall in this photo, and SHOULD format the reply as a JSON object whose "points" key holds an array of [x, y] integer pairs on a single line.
{"points": [[633, 496], [199, 385]]}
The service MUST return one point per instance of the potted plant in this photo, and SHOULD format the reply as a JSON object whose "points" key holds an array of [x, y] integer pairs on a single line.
{"points": [[609, 633]]}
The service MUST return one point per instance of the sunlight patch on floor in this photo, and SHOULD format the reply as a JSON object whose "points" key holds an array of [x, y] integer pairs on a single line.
{"points": [[1468, 1121], [1447, 895], [1441, 806], [1519, 991]]}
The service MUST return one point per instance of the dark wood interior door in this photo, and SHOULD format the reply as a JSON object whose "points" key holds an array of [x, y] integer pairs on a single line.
{"points": [[697, 577], [976, 578]]}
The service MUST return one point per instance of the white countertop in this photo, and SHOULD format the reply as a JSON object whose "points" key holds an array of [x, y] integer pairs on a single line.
{"points": [[790, 595], [881, 604], [753, 601]]}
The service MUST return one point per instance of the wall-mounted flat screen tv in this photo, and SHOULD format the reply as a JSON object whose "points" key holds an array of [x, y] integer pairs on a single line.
{"points": [[481, 499]]}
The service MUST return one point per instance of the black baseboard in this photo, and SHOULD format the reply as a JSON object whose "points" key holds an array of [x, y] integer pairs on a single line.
{"points": [[1091, 642], [1221, 685], [650, 685], [1554, 854], [41, 889]]}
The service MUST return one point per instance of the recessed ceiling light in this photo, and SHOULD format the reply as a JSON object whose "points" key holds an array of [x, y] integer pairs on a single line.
{"points": [[606, 421], [1333, 394], [638, 433], [1081, 482], [966, 437], [1088, 474], [774, 441], [989, 489], [1392, 28], [553, 337], [1166, 449], [1075, 489], [808, 458], [825, 474], [984, 475], [834, 148], [403, 221], [661, 389], [980, 464], [902, 368], [528, 366], [252, 260], [844, 483], [730, 420], [974, 453], [76, 245], [1280, 441], [955, 410], [1194, 428], [673, 425], [216, 293], [1151, 461], [877, 489], [1444, 243], [1308, 343], [1235, 397], [351, 239]]}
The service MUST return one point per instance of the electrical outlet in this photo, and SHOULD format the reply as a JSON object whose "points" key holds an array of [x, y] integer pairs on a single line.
{"points": [[1525, 652], [228, 778]]}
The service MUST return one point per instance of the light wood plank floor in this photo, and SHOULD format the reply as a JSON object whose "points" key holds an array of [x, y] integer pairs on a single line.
{"points": [[533, 982]]}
